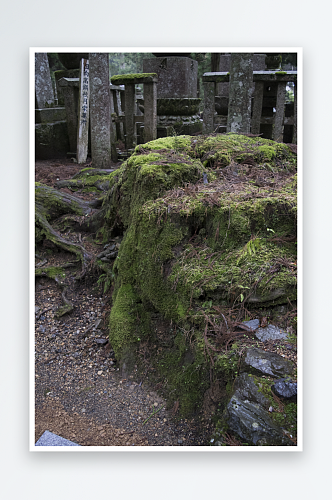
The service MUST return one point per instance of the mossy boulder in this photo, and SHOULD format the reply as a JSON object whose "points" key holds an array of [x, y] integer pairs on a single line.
{"points": [[199, 234]]}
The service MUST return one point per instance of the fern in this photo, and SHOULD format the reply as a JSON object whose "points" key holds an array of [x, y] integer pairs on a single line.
{"points": [[250, 248]]}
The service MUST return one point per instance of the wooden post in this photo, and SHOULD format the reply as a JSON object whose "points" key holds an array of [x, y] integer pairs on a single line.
{"points": [[209, 107], [150, 111], [83, 112], [257, 108], [278, 129], [129, 115]]}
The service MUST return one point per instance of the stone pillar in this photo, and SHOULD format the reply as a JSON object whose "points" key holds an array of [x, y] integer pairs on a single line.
{"points": [[150, 112], [209, 107], [130, 115], [70, 96], [100, 111], [240, 92], [44, 95], [295, 115], [83, 113], [119, 112], [278, 129], [257, 108]]}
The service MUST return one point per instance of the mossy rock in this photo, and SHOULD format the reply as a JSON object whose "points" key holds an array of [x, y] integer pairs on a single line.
{"points": [[186, 242]]}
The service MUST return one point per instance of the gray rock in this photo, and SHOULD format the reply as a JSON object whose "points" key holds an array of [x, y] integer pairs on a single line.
{"points": [[42, 329], [246, 390], [37, 309], [253, 324], [267, 363], [270, 332], [50, 439], [273, 295], [254, 425], [285, 388]]}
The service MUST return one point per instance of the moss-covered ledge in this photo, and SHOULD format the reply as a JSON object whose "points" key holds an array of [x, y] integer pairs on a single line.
{"points": [[134, 78]]}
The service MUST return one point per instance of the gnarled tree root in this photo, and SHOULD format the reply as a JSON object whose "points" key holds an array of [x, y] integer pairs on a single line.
{"points": [[47, 230], [51, 272]]}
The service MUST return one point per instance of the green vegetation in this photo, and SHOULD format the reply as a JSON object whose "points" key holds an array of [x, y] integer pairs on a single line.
{"points": [[189, 247]]}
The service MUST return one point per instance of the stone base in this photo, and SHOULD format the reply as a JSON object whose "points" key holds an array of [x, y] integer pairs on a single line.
{"points": [[51, 140], [47, 115], [182, 125]]}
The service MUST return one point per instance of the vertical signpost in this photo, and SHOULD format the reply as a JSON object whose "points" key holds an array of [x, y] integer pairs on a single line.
{"points": [[83, 112]]}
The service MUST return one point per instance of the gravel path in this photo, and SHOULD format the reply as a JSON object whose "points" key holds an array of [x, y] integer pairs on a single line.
{"points": [[80, 393]]}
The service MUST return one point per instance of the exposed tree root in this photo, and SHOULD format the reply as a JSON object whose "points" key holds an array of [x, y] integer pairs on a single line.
{"points": [[68, 306], [45, 229], [53, 273], [56, 203]]}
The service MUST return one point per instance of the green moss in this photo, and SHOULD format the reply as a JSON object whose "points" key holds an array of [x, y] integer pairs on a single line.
{"points": [[168, 143], [222, 149], [159, 271], [187, 380], [287, 418], [130, 77], [280, 73], [50, 272], [124, 330]]}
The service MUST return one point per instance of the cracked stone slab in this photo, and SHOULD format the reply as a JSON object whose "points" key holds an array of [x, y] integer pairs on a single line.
{"points": [[50, 439]]}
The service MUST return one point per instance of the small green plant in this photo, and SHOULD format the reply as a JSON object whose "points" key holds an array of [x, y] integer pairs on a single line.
{"points": [[105, 279], [250, 248], [292, 338]]}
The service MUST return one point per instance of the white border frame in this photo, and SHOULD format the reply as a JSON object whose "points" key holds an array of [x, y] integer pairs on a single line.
{"points": [[215, 449]]}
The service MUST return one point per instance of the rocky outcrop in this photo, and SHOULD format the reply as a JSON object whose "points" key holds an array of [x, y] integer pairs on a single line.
{"points": [[253, 413]]}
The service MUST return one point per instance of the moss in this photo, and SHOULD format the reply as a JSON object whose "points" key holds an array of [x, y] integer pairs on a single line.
{"points": [[50, 272], [287, 418], [281, 73], [224, 148], [168, 143], [130, 77], [123, 319], [159, 271], [187, 380]]}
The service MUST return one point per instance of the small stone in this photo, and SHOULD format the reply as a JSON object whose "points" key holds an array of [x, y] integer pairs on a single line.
{"points": [[180, 441], [270, 409], [100, 372], [83, 410], [42, 329], [155, 404]]}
